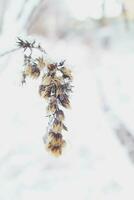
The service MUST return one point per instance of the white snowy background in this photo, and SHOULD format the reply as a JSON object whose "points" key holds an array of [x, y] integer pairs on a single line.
{"points": [[98, 162]]}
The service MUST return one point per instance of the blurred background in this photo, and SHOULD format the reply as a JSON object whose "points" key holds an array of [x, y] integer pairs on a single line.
{"points": [[96, 39]]}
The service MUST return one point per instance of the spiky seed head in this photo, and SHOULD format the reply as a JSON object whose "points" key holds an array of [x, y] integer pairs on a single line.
{"points": [[64, 100], [52, 67], [60, 115], [41, 62], [46, 80], [45, 91], [67, 73], [32, 71], [52, 107], [57, 126]]}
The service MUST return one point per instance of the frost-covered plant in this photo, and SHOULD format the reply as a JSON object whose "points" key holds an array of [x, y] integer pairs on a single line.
{"points": [[55, 86]]}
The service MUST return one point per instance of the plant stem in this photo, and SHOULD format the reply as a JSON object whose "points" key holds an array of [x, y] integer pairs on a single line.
{"points": [[9, 51]]}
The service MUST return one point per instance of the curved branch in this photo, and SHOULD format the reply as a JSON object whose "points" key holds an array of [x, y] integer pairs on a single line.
{"points": [[9, 51]]}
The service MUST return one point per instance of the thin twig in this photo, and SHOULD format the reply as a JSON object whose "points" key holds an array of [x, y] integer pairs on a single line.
{"points": [[9, 51]]}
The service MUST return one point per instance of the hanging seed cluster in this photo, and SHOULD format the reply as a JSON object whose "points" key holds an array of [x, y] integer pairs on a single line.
{"points": [[55, 88]]}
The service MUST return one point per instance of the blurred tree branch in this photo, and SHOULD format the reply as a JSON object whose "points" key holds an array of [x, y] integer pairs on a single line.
{"points": [[2, 13], [22, 9], [9, 52], [34, 14], [125, 17], [119, 127]]}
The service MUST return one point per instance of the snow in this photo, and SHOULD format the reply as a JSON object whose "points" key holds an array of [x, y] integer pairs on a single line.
{"points": [[94, 165]]}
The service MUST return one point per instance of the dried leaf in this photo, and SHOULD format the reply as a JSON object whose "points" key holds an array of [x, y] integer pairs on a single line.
{"points": [[65, 128], [67, 73], [63, 98], [41, 63], [60, 115]]}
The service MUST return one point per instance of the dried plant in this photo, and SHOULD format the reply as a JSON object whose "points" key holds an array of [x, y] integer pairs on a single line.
{"points": [[55, 87]]}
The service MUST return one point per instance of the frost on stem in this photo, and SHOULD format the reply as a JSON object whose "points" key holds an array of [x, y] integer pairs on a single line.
{"points": [[55, 87]]}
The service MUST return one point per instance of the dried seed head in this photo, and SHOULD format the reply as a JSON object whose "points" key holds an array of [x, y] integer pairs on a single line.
{"points": [[28, 70], [58, 91], [56, 151], [66, 87], [52, 107], [24, 44], [41, 63], [46, 80], [55, 143], [60, 115], [57, 81], [55, 87], [57, 126], [63, 98], [45, 91], [67, 73], [32, 71], [52, 67], [63, 89], [52, 135]]}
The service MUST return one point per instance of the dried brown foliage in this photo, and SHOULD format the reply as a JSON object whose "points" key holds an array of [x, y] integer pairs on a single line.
{"points": [[55, 87]]}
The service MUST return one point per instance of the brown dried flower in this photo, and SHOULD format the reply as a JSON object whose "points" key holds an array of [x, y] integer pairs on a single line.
{"points": [[55, 143], [47, 80], [52, 107], [57, 126], [60, 115], [52, 66], [67, 73], [41, 62], [64, 100], [32, 71], [55, 87], [45, 91]]}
